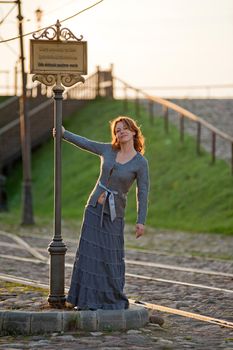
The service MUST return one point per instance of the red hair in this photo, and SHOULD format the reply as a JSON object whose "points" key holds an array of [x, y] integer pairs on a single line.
{"points": [[139, 141]]}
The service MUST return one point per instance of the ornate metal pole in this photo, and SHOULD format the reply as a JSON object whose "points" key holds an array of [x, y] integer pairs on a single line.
{"points": [[57, 248]]}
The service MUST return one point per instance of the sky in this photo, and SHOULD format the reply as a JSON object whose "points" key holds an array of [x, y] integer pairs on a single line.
{"points": [[152, 43]]}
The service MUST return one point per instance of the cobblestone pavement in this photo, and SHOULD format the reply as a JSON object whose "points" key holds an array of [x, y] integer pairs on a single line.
{"points": [[199, 251], [217, 112]]}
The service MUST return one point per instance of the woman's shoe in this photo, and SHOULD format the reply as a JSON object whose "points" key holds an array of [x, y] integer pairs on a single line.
{"points": [[69, 305]]}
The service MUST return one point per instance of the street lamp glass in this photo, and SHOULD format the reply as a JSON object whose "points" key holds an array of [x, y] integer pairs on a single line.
{"points": [[38, 13]]}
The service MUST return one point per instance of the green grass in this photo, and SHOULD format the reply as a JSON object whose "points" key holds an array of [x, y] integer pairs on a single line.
{"points": [[16, 288], [187, 192], [4, 98]]}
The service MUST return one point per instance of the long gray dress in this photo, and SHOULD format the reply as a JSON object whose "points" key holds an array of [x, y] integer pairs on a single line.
{"points": [[98, 275], [99, 270]]}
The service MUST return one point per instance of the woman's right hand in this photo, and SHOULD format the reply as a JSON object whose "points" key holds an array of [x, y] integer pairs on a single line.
{"points": [[62, 131]]}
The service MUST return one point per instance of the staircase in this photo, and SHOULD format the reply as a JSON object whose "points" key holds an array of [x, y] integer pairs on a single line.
{"points": [[40, 106]]}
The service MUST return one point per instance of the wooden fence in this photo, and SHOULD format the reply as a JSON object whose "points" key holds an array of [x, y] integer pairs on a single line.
{"points": [[129, 92]]}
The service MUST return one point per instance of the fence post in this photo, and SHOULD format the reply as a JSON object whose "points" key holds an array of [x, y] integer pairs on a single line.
{"points": [[151, 111], [198, 138], [87, 89], [125, 99], [166, 119], [137, 107], [97, 81], [181, 127], [232, 159], [93, 85], [213, 146], [111, 90]]}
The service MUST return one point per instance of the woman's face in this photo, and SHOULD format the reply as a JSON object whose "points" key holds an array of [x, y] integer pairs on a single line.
{"points": [[123, 134]]}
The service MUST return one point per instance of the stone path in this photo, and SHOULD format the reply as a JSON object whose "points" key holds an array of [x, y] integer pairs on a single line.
{"points": [[202, 251]]}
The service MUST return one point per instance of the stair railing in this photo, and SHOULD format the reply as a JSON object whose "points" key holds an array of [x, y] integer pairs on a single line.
{"points": [[131, 93]]}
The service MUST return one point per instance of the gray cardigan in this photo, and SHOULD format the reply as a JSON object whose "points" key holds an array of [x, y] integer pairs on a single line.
{"points": [[116, 176]]}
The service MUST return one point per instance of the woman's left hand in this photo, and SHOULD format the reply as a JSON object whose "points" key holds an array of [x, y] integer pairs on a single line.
{"points": [[139, 230]]}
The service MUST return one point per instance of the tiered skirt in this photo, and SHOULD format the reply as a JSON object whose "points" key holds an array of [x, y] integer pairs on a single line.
{"points": [[98, 275]]}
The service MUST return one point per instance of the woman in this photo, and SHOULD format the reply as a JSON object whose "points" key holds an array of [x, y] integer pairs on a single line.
{"points": [[99, 270]]}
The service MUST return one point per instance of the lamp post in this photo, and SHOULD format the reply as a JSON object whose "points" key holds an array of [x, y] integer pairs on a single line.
{"points": [[27, 213], [57, 248], [58, 61]]}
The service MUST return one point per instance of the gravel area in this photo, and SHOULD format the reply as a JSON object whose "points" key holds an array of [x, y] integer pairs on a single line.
{"points": [[213, 252]]}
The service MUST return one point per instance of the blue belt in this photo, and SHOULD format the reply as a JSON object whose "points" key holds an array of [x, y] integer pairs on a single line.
{"points": [[110, 195]]}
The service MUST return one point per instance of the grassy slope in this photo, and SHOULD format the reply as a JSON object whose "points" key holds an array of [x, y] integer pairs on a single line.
{"points": [[186, 191], [4, 98]]}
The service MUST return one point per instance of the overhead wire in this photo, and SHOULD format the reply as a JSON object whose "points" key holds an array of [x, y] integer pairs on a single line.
{"points": [[2, 20], [58, 8], [10, 48], [53, 10], [41, 29]]}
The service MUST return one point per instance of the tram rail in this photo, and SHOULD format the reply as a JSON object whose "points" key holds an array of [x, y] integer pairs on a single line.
{"points": [[140, 250], [150, 306], [137, 270], [137, 276], [128, 261]]}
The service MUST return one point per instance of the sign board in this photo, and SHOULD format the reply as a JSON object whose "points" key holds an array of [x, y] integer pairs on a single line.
{"points": [[51, 57]]}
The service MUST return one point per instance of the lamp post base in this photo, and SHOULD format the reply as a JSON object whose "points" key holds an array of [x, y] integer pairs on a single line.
{"points": [[57, 302], [57, 250]]}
